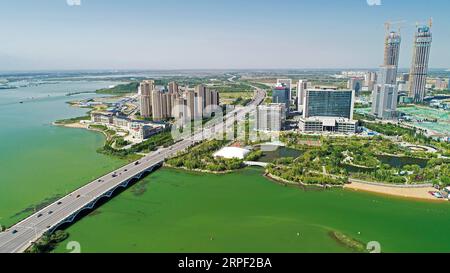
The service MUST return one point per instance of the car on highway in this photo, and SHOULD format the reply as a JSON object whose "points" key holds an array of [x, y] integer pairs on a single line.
{"points": [[50, 212], [39, 215], [136, 163], [14, 231], [59, 203]]}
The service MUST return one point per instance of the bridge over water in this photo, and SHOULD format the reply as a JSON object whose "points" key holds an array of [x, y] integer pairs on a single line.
{"points": [[22, 235]]}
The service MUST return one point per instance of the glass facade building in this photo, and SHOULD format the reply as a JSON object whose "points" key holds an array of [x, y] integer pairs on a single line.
{"points": [[280, 94], [329, 103]]}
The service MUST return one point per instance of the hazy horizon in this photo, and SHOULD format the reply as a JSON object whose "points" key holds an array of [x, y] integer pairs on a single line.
{"points": [[51, 35]]}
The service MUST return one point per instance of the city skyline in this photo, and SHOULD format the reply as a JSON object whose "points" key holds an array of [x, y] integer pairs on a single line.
{"points": [[203, 35]]}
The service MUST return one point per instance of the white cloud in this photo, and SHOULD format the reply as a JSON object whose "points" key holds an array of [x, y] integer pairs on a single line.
{"points": [[73, 2], [374, 2]]}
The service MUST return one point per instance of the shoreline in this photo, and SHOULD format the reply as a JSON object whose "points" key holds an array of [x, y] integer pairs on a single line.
{"points": [[282, 181], [407, 193], [197, 170], [78, 125], [75, 125], [418, 194]]}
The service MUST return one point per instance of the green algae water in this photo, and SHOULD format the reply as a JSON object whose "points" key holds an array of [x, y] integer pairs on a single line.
{"points": [[177, 211], [39, 161]]}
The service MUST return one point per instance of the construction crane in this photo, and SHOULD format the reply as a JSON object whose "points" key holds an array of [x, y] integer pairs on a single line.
{"points": [[430, 23], [389, 25]]}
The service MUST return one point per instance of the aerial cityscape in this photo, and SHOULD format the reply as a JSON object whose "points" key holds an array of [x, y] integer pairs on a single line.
{"points": [[231, 142]]}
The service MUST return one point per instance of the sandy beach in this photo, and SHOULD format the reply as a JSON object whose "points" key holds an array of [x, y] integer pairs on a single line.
{"points": [[416, 193], [76, 125]]}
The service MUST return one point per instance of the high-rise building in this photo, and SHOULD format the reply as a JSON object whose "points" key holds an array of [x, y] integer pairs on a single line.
{"points": [[302, 85], [179, 110], [384, 101], [328, 110], [288, 84], [385, 93], [391, 57], [419, 67], [441, 84], [355, 84], [173, 87], [157, 105], [270, 117], [200, 102], [215, 98], [329, 103], [280, 94], [188, 105], [208, 98], [146, 88], [370, 79]]}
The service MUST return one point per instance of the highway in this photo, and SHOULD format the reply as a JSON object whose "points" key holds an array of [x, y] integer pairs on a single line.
{"points": [[22, 235]]}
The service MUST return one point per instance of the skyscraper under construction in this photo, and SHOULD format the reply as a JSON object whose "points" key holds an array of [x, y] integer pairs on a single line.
{"points": [[391, 57], [419, 67], [385, 93]]}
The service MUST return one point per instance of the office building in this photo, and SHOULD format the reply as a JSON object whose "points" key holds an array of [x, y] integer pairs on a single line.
{"points": [[141, 131], [329, 103], [384, 101], [419, 67], [324, 124], [280, 94], [288, 84], [270, 117], [138, 130], [302, 85], [328, 111]]}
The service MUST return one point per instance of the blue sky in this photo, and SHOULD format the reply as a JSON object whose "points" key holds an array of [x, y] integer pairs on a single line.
{"points": [[184, 34]]}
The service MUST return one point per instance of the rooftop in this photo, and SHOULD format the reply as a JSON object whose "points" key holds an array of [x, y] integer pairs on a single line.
{"points": [[232, 152]]}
